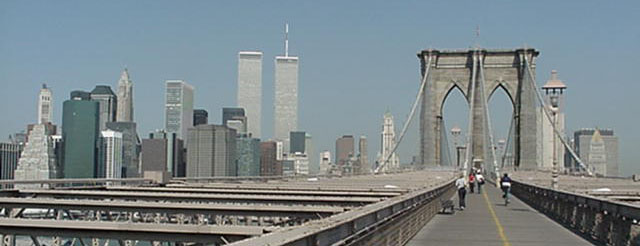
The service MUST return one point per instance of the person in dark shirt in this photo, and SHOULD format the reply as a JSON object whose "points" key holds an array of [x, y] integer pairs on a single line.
{"points": [[505, 185]]}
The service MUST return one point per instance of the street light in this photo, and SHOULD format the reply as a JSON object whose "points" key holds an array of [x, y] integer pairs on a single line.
{"points": [[554, 113], [554, 89]]}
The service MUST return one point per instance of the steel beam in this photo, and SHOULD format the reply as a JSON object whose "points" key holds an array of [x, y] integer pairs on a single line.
{"points": [[267, 191], [347, 227], [220, 198], [172, 208], [128, 231]]}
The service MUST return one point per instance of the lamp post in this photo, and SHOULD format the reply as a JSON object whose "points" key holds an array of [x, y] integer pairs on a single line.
{"points": [[553, 90], [554, 111]]}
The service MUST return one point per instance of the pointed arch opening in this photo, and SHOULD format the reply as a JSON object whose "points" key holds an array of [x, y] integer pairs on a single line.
{"points": [[501, 114], [455, 118]]}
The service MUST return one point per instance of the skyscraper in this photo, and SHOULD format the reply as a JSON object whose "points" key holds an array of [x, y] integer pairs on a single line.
{"points": [[200, 117], [108, 103], [45, 108], [80, 136], [38, 160], [131, 148], [211, 151], [250, 89], [344, 150], [233, 114], [235, 118], [388, 143], [163, 151], [286, 93], [363, 159], [554, 94], [125, 98], [248, 155], [178, 107], [111, 154], [154, 154], [309, 148], [269, 163], [9, 156], [297, 142], [598, 149]]}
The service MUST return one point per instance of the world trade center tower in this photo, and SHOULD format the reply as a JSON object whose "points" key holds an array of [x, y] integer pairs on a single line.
{"points": [[250, 89], [286, 93]]}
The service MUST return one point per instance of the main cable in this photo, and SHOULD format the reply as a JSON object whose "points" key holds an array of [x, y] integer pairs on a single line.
{"points": [[408, 122], [546, 113]]}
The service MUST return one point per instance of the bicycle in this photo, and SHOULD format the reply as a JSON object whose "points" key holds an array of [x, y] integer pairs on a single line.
{"points": [[506, 196]]}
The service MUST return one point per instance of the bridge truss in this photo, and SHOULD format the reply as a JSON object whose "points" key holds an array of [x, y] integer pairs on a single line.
{"points": [[186, 212]]}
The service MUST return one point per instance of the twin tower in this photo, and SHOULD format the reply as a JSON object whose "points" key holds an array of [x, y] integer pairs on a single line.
{"points": [[478, 73], [286, 91]]}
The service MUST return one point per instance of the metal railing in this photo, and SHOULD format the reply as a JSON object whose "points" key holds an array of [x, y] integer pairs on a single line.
{"points": [[605, 221]]}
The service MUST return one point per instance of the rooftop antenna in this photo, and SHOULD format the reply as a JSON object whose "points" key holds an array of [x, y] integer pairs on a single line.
{"points": [[286, 39]]}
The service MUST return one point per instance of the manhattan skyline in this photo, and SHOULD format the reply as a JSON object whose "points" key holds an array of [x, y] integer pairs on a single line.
{"points": [[356, 59]]}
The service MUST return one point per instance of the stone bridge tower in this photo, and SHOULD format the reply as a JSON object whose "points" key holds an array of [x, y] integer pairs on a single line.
{"points": [[477, 73]]}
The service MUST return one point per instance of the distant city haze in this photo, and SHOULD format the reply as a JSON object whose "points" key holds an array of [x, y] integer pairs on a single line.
{"points": [[357, 59]]}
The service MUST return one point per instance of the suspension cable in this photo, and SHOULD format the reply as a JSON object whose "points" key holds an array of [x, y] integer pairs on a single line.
{"points": [[470, 119], [486, 111], [408, 122], [546, 113], [508, 143]]}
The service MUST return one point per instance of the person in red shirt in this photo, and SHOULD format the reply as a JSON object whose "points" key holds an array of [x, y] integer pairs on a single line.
{"points": [[472, 181]]}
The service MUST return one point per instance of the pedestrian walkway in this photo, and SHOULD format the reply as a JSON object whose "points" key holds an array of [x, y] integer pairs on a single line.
{"points": [[486, 221]]}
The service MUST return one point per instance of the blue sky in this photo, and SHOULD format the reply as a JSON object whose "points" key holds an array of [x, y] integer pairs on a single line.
{"points": [[358, 58]]}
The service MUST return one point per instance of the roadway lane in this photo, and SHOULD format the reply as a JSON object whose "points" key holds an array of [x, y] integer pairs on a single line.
{"points": [[480, 224]]}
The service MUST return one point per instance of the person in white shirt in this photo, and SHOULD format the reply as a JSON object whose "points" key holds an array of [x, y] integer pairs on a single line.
{"points": [[479, 181], [461, 184]]}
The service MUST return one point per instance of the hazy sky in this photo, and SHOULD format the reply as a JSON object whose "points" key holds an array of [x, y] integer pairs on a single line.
{"points": [[357, 58]]}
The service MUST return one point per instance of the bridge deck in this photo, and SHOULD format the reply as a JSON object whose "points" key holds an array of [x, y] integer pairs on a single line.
{"points": [[485, 215]]}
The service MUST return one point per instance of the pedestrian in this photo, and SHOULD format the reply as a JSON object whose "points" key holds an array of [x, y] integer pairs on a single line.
{"points": [[472, 181], [480, 181], [462, 191]]}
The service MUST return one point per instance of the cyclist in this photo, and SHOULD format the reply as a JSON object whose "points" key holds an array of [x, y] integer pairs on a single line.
{"points": [[505, 184]]}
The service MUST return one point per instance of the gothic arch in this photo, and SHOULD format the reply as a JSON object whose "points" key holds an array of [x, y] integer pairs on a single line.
{"points": [[463, 69]]}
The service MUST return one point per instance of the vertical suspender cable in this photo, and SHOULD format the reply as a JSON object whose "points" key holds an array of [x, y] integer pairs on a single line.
{"points": [[486, 111]]}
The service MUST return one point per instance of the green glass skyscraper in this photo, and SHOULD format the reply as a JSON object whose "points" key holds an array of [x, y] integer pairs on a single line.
{"points": [[80, 135]]}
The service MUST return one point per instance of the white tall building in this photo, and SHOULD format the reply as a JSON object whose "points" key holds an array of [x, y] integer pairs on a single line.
{"points": [[325, 162], [250, 89], [125, 98], [112, 154], [45, 107], [178, 113], [388, 142], [286, 93], [38, 159], [553, 90]]}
